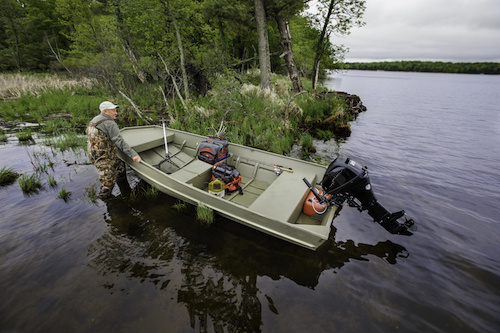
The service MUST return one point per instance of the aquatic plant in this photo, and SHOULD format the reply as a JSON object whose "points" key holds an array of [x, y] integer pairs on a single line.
{"points": [[51, 181], [204, 214], [29, 184], [24, 135], [179, 206], [71, 140], [64, 194], [91, 192], [7, 176], [13, 86], [151, 192]]}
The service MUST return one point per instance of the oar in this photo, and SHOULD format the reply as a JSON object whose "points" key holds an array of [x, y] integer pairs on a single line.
{"points": [[167, 156]]}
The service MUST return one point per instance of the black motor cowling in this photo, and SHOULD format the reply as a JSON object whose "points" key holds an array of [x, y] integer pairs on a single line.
{"points": [[347, 180]]}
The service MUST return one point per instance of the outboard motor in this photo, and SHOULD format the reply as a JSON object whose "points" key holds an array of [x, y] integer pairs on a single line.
{"points": [[347, 180]]}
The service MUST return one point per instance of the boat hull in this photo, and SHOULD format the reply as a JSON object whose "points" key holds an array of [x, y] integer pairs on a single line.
{"points": [[271, 202]]}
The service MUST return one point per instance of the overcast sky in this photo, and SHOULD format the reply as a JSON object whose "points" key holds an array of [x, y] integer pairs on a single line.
{"points": [[435, 30]]}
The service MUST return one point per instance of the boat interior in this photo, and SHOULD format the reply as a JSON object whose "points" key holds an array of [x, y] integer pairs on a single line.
{"points": [[262, 186]]}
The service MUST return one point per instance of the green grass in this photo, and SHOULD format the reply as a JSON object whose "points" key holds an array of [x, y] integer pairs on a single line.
{"points": [[64, 194], [204, 214], [91, 192], [71, 140], [180, 206], [51, 181], [7, 176], [271, 121], [29, 184], [24, 135]]}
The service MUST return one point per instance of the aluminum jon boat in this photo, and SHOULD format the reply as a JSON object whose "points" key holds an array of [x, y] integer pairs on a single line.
{"points": [[275, 188]]}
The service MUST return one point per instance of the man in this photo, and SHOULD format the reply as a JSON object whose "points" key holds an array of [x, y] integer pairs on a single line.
{"points": [[103, 138]]}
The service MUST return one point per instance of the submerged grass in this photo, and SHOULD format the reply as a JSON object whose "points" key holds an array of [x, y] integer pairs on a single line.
{"points": [[7, 176]]}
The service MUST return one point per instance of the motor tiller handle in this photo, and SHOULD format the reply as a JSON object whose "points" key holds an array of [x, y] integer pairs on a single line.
{"points": [[320, 198]]}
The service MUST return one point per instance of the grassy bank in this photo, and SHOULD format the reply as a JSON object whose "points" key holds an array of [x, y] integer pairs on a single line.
{"points": [[272, 121]]}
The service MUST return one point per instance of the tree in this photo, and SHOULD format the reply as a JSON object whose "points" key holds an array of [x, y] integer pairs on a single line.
{"points": [[282, 11], [264, 57], [335, 17], [11, 28]]}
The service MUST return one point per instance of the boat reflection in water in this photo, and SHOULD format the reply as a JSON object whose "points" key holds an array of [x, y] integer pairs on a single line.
{"points": [[212, 271]]}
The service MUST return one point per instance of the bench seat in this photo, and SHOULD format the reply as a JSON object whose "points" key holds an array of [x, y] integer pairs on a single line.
{"points": [[283, 199]]}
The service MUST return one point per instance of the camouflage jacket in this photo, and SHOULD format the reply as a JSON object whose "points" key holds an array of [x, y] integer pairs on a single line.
{"points": [[110, 129]]}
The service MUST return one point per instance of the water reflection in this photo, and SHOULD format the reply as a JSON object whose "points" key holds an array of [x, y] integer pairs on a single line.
{"points": [[212, 271]]}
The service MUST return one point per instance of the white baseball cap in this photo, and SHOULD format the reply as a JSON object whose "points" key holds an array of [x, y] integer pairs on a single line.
{"points": [[107, 106]]}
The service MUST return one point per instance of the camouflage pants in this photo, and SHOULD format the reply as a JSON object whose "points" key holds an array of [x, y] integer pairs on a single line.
{"points": [[102, 153]]}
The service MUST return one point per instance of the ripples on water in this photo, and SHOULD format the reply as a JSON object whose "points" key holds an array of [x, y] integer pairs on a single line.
{"points": [[431, 144]]}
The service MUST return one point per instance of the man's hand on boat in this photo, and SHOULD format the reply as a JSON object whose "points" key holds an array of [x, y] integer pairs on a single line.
{"points": [[137, 158]]}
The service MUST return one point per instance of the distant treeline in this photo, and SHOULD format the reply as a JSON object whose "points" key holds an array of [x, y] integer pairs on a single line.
{"points": [[429, 66]]}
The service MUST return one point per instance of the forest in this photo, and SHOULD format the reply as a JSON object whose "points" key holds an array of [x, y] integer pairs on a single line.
{"points": [[186, 42], [253, 65], [429, 66]]}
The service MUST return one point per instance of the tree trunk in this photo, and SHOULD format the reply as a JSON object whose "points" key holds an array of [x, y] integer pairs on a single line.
{"points": [[181, 51], [264, 59], [286, 43], [320, 47]]}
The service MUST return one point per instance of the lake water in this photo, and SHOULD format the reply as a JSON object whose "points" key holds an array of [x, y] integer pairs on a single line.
{"points": [[431, 143]]}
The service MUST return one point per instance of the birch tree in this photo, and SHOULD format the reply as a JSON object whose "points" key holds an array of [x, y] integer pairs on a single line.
{"points": [[334, 18]]}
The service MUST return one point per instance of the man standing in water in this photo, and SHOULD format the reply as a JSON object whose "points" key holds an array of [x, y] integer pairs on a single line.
{"points": [[103, 138]]}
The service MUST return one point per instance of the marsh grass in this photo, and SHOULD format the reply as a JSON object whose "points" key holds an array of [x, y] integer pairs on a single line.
{"points": [[41, 161], [179, 206], [7, 176], [3, 136], [91, 192], [64, 194], [143, 191], [51, 181], [205, 214], [24, 135], [268, 120], [68, 141], [29, 184], [13, 86]]}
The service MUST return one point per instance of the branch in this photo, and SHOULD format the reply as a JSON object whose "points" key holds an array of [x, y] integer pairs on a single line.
{"points": [[173, 80], [138, 112]]}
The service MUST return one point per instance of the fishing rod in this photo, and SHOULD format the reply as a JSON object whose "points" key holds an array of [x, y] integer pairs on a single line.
{"points": [[277, 168]]}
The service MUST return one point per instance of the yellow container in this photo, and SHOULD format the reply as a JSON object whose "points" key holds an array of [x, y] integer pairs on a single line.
{"points": [[217, 187]]}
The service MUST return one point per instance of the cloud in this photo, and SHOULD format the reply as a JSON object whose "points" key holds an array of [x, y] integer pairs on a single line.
{"points": [[437, 30]]}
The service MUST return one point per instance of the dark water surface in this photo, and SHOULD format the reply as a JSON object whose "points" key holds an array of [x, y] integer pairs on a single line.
{"points": [[431, 142]]}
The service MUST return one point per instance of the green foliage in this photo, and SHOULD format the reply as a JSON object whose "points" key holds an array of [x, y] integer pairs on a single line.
{"points": [[29, 184], [7, 176], [24, 135], [71, 140], [205, 214], [429, 66], [51, 181], [180, 206], [63, 194], [91, 192]]}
